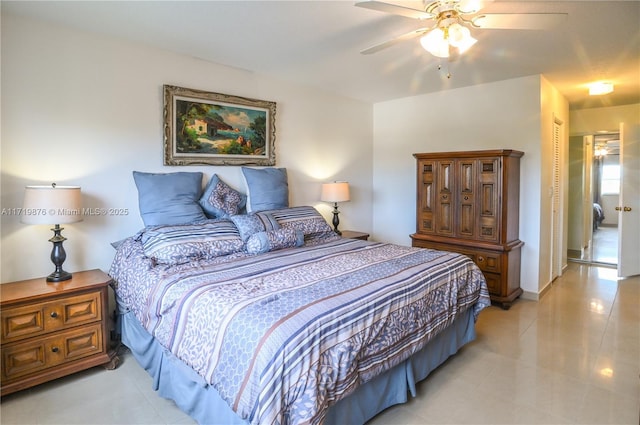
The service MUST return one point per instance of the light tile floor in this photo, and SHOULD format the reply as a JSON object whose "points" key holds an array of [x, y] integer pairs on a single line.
{"points": [[572, 358], [604, 249], [605, 245]]}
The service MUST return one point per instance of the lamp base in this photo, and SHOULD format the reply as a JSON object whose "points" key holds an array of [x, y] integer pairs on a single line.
{"points": [[58, 255], [336, 220], [59, 276]]}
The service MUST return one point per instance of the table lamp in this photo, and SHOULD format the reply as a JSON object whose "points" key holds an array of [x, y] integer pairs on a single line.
{"points": [[335, 192], [53, 205]]}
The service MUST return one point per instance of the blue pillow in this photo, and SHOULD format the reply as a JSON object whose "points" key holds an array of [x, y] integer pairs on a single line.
{"points": [[248, 224], [219, 200], [267, 188], [273, 240], [170, 198]]}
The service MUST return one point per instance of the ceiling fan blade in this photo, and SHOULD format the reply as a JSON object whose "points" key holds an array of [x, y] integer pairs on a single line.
{"points": [[395, 9], [389, 43], [519, 21]]}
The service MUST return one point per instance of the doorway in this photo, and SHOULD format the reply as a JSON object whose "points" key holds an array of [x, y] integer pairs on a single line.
{"points": [[595, 175]]}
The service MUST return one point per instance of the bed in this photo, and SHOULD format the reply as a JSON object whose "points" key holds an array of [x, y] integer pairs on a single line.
{"points": [[271, 318], [598, 215]]}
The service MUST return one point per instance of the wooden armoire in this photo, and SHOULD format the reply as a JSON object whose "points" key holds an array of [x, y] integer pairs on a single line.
{"points": [[468, 202]]}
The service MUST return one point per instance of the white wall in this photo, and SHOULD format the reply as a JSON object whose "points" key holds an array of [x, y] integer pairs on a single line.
{"points": [[84, 109], [503, 115], [594, 120]]}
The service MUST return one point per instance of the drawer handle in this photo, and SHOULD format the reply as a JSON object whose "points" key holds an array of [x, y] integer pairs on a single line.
{"points": [[54, 314], [480, 259], [54, 349], [444, 197], [466, 198]]}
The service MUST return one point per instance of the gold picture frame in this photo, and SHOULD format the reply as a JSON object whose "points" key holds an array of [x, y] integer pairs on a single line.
{"points": [[205, 128]]}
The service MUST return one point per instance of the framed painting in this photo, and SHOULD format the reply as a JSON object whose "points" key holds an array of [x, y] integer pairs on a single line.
{"points": [[204, 128]]}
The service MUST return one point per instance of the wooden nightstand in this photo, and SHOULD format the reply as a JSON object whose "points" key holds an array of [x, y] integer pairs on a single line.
{"points": [[50, 330], [351, 234]]}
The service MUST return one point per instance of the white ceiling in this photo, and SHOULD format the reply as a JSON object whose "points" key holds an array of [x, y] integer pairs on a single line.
{"points": [[317, 43]]}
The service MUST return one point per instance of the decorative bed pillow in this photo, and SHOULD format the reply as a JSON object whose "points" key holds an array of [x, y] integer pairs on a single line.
{"points": [[219, 200], [191, 242], [261, 242], [249, 224], [267, 188], [304, 218], [170, 198]]}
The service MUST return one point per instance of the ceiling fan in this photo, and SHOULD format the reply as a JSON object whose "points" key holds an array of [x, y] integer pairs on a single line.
{"points": [[449, 33]]}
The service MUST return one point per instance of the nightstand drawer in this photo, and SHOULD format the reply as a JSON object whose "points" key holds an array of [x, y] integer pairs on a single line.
{"points": [[24, 358], [37, 319]]}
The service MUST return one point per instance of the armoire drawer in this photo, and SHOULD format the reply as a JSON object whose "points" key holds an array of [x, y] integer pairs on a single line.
{"points": [[487, 262]]}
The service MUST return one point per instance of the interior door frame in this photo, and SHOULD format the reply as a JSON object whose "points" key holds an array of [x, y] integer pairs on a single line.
{"points": [[587, 200]]}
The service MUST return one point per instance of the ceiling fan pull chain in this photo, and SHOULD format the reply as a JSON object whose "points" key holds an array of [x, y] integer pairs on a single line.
{"points": [[448, 72]]}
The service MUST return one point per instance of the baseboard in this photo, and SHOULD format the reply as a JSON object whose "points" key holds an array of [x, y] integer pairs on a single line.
{"points": [[574, 253], [533, 296]]}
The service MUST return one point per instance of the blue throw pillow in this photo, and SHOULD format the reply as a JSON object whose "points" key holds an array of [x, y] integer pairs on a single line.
{"points": [[170, 198], [219, 200], [273, 240], [267, 188], [248, 224]]}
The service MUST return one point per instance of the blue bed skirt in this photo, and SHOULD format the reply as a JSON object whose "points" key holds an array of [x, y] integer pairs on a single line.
{"points": [[176, 381]]}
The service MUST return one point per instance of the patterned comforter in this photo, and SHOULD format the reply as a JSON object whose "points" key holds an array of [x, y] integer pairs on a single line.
{"points": [[283, 335]]}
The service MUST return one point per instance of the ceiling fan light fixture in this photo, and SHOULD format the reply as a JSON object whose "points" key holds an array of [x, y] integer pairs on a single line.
{"points": [[460, 37], [435, 42], [469, 6], [457, 34], [599, 88], [466, 44]]}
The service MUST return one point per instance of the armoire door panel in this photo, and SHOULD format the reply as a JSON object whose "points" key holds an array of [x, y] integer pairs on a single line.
{"points": [[467, 177], [444, 207], [488, 200], [445, 176], [444, 219], [426, 197], [466, 224]]}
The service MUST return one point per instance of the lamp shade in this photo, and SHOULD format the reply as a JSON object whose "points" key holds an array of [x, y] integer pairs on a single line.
{"points": [[335, 192], [51, 205]]}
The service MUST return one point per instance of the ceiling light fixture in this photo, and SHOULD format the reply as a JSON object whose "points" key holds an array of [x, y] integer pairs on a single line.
{"points": [[600, 88], [599, 152], [449, 32]]}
